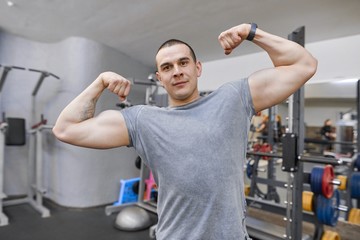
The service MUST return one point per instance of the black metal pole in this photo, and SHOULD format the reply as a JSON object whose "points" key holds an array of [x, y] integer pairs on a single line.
{"points": [[296, 220], [358, 116]]}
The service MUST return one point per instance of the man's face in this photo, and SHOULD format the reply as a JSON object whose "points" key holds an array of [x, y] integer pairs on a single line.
{"points": [[178, 73]]}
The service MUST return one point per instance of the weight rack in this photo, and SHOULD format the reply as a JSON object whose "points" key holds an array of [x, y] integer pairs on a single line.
{"points": [[293, 163]]}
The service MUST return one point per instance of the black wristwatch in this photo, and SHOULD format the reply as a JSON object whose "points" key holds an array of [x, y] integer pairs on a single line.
{"points": [[251, 35]]}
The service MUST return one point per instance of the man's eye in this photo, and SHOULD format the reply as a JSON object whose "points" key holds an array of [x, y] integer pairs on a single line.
{"points": [[166, 68], [183, 63]]}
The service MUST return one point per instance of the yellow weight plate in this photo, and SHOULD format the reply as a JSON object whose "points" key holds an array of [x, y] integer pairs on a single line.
{"points": [[247, 190], [343, 180], [330, 235], [354, 216], [307, 202]]}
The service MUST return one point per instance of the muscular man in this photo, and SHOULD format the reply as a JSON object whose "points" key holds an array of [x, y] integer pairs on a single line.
{"points": [[196, 146]]}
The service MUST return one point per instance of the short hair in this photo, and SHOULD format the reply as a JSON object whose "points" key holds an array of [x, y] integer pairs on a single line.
{"points": [[172, 42]]}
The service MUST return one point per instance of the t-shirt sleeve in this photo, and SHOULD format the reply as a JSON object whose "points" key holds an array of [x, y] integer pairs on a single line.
{"points": [[131, 117], [243, 88]]}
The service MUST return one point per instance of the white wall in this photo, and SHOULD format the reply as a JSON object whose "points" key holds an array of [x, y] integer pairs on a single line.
{"points": [[73, 176]]}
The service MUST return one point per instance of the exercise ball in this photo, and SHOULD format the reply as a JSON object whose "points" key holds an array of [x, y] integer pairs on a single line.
{"points": [[132, 218]]}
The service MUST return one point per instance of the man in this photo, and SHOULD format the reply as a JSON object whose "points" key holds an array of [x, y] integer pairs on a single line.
{"points": [[195, 147], [328, 134]]}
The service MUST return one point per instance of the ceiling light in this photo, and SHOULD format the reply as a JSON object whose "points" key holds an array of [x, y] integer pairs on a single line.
{"points": [[10, 3], [348, 80], [334, 81]]}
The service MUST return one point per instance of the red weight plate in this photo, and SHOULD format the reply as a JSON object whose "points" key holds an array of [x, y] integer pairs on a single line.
{"points": [[265, 148], [327, 187], [256, 147]]}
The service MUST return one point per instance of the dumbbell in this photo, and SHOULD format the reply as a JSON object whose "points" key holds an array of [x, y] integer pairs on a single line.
{"points": [[322, 180], [326, 209]]}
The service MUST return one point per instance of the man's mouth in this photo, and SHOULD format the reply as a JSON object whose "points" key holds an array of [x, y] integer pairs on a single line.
{"points": [[179, 83]]}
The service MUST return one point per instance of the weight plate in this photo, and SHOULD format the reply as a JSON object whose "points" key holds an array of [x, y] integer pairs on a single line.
{"points": [[335, 207], [327, 188], [357, 162], [330, 235], [343, 180], [249, 168], [316, 180], [247, 190], [265, 148], [354, 216], [327, 210], [256, 147], [320, 201], [355, 185], [307, 203]]}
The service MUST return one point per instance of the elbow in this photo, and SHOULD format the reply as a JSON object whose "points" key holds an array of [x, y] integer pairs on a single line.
{"points": [[311, 67], [59, 133]]}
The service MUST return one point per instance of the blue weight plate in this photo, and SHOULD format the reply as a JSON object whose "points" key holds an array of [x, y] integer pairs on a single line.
{"points": [[316, 180], [357, 162], [249, 168], [335, 201], [355, 185], [327, 210]]}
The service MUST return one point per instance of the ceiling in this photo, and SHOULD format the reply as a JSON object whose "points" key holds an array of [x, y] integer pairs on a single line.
{"points": [[137, 28]]}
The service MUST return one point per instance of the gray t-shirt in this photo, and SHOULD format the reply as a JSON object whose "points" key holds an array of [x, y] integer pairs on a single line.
{"points": [[196, 153]]}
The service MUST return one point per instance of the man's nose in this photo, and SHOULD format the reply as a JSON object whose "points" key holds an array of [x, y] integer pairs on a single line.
{"points": [[177, 70]]}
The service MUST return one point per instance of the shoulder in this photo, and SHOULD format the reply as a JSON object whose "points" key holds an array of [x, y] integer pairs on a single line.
{"points": [[239, 85], [140, 110]]}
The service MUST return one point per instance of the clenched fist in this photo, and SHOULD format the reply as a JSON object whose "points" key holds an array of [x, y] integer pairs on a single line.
{"points": [[233, 37], [116, 84]]}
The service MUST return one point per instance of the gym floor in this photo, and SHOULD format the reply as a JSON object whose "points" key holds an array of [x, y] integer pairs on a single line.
{"points": [[64, 223]]}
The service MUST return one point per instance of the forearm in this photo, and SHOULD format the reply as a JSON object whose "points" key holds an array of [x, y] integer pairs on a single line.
{"points": [[81, 108]]}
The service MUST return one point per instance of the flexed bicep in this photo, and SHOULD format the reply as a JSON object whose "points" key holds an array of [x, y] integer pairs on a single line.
{"points": [[292, 67], [107, 130], [77, 124], [271, 86], [110, 130]]}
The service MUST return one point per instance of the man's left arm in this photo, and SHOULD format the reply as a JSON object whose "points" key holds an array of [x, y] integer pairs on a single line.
{"points": [[293, 65]]}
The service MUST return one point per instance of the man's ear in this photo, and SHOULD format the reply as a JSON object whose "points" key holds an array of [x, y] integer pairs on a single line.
{"points": [[159, 78], [199, 68]]}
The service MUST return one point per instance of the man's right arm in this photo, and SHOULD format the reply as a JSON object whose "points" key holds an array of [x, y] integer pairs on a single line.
{"points": [[77, 124]]}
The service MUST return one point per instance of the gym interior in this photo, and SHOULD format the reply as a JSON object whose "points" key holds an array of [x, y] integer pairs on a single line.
{"points": [[298, 184]]}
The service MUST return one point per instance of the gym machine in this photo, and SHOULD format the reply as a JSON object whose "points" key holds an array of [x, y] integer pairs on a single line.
{"points": [[10, 130], [36, 188], [6, 138]]}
